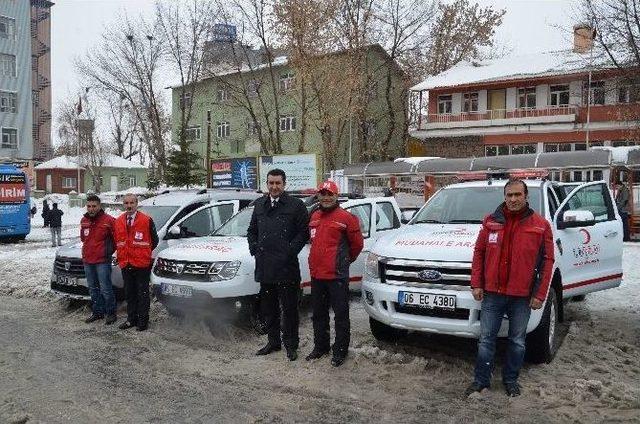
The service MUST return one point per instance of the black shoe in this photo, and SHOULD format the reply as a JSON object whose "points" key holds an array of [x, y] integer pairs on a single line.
{"points": [[268, 348], [93, 317], [316, 354], [141, 327], [126, 325], [338, 360], [474, 388], [110, 319], [292, 354], [512, 389]]}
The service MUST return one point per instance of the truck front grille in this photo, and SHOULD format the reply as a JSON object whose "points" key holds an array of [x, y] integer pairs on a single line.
{"points": [[404, 272]]}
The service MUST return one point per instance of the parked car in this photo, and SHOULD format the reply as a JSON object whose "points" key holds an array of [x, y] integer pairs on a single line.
{"points": [[178, 215]]}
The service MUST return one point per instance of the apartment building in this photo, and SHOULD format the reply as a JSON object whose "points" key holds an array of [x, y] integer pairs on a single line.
{"points": [[25, 73], [558, 101]]}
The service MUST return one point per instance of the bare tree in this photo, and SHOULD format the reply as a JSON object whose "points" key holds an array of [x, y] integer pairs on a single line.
{"points": [[123, 127]]}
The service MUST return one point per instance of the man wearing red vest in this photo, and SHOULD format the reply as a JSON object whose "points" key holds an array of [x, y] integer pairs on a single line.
{"points": [[510, 275], [336, 241], [136, 237]]}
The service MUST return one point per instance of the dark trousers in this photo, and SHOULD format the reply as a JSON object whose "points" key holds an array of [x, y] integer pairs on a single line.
{"points": [[136, 289], [625, 226], [275, 298], [334, 293]]}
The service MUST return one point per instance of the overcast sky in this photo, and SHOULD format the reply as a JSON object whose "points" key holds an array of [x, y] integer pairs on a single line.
{"points": [[529, 26]]}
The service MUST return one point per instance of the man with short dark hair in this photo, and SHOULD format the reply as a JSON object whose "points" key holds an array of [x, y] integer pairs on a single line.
{"points": [[136, 237], [55, 225], [96, 233], [277, 233], [510, 275]]}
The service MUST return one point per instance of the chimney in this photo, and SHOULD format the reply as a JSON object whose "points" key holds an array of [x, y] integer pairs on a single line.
{"points": [[583, 35]]}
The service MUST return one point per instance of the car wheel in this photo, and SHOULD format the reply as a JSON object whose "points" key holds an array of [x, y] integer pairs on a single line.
{"points": [[384, 332], [579, 298], [255, 317], [542, 343]]}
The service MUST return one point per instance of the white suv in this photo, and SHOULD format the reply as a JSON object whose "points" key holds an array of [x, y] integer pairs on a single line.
{"points": [[419, 278]]}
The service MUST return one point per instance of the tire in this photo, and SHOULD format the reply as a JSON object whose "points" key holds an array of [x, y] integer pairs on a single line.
{"points": [[579, 298], [384, 332], [543, 342], [174, 312], [255, 317]]}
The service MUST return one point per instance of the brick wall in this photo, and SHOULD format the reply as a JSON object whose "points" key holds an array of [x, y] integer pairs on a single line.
{"points": [[447, 147]]}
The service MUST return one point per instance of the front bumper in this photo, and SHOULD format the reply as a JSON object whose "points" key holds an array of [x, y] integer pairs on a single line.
{"points": [[463, 322], [242, 285]]}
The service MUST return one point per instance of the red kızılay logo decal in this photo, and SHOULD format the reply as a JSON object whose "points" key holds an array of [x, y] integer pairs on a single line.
{"points": [[586, 235]]}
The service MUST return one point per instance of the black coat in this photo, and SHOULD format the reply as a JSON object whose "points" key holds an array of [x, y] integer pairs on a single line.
{"points": [[276, 236], [55, 217]]}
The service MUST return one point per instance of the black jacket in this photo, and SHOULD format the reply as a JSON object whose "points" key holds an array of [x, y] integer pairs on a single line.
{"points": [[276, 236], [55, 217]]}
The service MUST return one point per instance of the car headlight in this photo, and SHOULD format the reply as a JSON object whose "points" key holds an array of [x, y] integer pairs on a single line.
{"points": [[371, 265], [223, 270]]}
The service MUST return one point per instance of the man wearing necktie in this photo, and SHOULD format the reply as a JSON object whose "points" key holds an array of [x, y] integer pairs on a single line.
{"points": [[136, 237], [277, 233]]}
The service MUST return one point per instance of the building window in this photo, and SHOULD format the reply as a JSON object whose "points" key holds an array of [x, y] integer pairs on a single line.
{"points": [[8, 102], [69, 182], [223, 95], [192, 133], [523, 149], [559, 95], [287, 123], [253, 128], [470, 102], [9, 138], [557, 147], [596, 93], [7, 65], [223, 129], [7, 27], [527, 98], [444, 104], [629, 93], [500, 150], [287, 81], [185, 100], [580, 146], [253, 88], [132, 181]]}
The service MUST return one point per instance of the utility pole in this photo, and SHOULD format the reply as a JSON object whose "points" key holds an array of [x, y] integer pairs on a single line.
{"points": [[208, 155]]}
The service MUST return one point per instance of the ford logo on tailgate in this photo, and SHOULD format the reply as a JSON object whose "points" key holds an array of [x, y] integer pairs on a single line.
{"points": [[430, 275]]}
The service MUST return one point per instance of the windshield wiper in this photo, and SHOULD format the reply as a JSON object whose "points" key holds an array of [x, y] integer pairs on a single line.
{"points": [[464, 221], [428, 221]]}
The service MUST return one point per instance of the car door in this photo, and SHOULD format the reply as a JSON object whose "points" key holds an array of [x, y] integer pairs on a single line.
{"points": [[202, 221], [364, 211], [591, 254]]}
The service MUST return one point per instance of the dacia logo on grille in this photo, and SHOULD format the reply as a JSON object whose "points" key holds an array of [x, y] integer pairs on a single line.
{"points": [[67, 266], [430, 275]]}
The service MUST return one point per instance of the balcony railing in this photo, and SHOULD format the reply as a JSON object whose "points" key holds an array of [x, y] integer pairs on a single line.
{"points": [[491, 115]]}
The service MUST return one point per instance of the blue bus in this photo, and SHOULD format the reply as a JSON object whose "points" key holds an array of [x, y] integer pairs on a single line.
{"points": [[15, 204]]}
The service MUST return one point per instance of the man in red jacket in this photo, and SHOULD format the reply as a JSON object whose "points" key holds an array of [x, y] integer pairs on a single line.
{"points": [[96, 233], [136, 237], [511, 272], [336, 241]]}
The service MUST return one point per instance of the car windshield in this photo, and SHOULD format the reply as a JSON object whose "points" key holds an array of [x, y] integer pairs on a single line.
{"points": [[159, 214], [237, 225], [466, 205]]}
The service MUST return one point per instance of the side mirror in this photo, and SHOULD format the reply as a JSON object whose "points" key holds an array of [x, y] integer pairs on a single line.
{"points": [[576, 219], [174, 232], [406, 216]]}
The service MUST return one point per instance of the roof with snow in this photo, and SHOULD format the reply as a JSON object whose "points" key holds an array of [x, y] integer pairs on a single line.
{"points": [[554, 63], [71, 162]]}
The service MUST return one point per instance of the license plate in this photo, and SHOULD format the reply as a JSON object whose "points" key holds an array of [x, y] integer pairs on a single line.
{"points": [[176, 290], [427, 300], [66, 280]]}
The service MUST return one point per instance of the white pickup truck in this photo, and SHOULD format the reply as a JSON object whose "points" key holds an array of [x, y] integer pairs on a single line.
{"points": [[220, 270], [419, 278]]}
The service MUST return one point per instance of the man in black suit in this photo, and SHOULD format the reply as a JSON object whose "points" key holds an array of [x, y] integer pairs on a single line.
{"points": [[277, 233]]}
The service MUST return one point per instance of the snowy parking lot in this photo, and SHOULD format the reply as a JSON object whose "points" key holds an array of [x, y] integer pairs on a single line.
{"points": [[55, 368]]}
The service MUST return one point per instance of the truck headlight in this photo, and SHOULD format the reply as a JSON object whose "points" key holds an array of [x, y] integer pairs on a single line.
{"points": [[223, 270], [371, 266]]}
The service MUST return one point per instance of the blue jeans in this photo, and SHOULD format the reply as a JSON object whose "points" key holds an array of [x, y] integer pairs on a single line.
{"points": [[103, 301], [494, 307]]}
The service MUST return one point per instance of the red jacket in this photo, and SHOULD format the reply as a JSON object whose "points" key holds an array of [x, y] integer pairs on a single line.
{"points": [[96, 234], [336, 241], [135, 243], [531, 258]]}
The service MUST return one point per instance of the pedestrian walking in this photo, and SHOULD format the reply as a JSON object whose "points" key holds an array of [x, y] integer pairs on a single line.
{"points": [[277, 233], [511, 273], [136, 237], [336, 241], [96, 233], [55, 225], [45, 212], [623, 203]]}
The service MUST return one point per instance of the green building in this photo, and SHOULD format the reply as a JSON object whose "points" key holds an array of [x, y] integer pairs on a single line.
{"points": [[347, 106]]}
